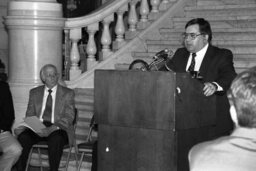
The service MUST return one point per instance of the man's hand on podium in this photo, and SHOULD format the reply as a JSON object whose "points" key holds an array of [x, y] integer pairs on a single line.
{"points": [[209, 89]]}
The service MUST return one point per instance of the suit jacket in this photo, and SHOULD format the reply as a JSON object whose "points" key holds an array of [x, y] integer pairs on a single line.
{"points": [[217, 66], [236, 152], [6, 107], [64, 112]]}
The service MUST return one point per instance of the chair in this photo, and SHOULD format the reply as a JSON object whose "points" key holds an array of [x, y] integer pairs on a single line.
{"points": [[38, 156], [86, 148]]}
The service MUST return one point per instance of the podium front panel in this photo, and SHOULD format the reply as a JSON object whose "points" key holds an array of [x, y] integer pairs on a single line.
{"points": [[133, 149], [135, 99], [149, 120]]}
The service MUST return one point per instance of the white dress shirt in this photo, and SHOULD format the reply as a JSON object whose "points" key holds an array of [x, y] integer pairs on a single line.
{"points": [[198, 59]]}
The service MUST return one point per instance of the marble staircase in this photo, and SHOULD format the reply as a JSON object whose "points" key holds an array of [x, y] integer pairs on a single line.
{"points": [[233, 25]]}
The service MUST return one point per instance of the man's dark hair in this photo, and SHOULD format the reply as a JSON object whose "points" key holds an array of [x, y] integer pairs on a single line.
{"points": [[204, 27], [144, 65], [242, 95]]}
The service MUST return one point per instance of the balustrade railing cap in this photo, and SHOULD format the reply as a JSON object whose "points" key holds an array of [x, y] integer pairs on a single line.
{"points": [[53, 1]]}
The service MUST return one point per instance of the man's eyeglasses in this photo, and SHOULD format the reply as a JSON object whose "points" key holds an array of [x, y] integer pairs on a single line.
{"points": [[51, 75], [191, 36]]}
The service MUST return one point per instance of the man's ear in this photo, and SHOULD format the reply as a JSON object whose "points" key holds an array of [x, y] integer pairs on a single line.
{"points": [[205, 38], [233, 114], [43, 79]]}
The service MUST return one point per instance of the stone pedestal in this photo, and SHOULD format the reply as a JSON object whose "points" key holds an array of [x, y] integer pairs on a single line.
{"points": [[35, 39]]}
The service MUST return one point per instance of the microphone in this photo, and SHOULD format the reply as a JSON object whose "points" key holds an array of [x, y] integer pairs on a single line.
{"points": [[163, 53], [160, 59]]}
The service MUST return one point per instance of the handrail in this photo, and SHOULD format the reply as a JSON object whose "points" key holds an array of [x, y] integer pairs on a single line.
{"points": [[98, 15]]}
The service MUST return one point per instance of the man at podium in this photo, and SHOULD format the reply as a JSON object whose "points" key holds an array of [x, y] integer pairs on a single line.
{"points": [[214, 65]]}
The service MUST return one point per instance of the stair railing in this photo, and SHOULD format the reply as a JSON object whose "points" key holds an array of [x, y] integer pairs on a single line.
{"points": [[123, 14]]}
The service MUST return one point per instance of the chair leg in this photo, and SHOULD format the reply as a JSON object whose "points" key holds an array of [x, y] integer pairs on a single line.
{"points": [[29, 158], [81, 161], [76, 155], [68, 158], [40, 159]]}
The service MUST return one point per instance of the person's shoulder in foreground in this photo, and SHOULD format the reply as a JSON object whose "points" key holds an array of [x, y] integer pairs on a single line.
{"points": [[236, 152], [3, 85]]}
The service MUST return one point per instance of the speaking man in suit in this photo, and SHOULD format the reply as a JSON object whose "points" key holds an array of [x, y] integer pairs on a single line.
{"points": [[215, 67], [53, 104], [238, 151]]}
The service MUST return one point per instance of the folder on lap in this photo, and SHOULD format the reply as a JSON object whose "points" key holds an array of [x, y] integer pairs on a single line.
{"points": [[34, 123]]}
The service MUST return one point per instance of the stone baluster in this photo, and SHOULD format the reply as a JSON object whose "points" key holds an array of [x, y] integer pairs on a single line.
{"points": [[165, 1], [91, 48], [164, 5], [133, 17], [120, 29], [144, 12], [132, 20], [75, 36], [154, 13], [155, 4], [106, 37]]}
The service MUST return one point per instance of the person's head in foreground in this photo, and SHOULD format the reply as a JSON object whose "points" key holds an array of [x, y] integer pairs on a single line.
{"points": [[236, 152], [242, 98]]}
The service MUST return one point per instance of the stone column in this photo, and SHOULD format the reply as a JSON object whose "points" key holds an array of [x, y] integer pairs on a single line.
{"points": [[35, 39]]}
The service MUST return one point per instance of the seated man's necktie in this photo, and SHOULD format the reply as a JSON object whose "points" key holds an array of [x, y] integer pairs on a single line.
{"points": [[193, 62], [47, 115]]}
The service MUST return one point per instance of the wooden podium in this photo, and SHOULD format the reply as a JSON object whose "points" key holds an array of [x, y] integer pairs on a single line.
{"points": [[146, 119]]}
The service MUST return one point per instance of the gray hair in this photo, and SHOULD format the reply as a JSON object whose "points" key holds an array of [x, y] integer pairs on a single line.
{"points": [[42, 71]]}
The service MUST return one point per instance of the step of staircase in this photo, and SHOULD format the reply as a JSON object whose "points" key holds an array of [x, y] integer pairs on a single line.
{"points": [[220, 10], [244, 62], [224, 2], [122, 66], [84, 102], [218, 34], [241, 46], [220, 21]]}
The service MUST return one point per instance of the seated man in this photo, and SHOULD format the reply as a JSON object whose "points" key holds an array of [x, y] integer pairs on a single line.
{"points": [[238, 151], [10, 148], [53, 104]]}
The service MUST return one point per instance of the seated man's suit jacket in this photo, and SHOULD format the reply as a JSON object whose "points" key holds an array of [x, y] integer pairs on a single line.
{"points": [[230, 153], [217, 66], [64, 112]]}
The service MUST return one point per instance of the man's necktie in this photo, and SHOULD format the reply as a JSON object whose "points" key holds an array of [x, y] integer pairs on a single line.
{"points": [[192, 65], [48, 108]]}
